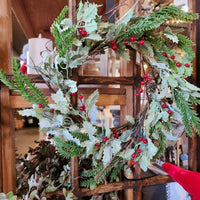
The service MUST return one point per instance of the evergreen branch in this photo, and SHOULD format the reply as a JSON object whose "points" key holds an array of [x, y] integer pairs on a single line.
{"points": [[81, 136], [68, 149], [63, 38], [189, 115], [195, 101], [154, 20], [116, 170], [93, 172], [24, 86], [87, 183]]}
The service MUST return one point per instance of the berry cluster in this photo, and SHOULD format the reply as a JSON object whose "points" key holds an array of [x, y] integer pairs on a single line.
{"points": [[146, 79], [82, 32], [164, 105], [178, 64], [114, 46], [139, 151]]}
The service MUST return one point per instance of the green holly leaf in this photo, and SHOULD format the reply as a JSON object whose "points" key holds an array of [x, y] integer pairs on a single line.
{"points": [[91, 26], [144, 162]]}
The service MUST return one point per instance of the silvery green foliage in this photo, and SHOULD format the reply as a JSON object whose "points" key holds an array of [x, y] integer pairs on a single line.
{"points": [[8, 196]]}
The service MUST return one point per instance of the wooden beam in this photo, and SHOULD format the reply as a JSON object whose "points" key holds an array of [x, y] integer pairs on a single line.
{"points": [[7, 145], [19, 10]]}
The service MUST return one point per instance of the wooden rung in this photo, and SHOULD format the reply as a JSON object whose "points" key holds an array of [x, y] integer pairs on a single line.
{"points": [[106, 80], [110, 91], [103, 100]]}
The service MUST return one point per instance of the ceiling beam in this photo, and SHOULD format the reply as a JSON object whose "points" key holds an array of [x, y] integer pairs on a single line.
{"points": [[19, 11]]}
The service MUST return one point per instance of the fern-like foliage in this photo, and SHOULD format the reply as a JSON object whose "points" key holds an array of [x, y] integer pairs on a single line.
{"points": [[63, 38], [154, 20], [189, 115], [23, 85], [68, 149], [116, 170], [185, 44], [81, 136]]}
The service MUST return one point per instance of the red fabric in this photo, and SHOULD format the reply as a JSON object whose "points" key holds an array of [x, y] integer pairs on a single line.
{"points": [[23, 68], [189, 180]]}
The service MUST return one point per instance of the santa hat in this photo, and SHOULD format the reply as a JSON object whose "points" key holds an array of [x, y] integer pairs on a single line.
{"points": [[189, 180]]}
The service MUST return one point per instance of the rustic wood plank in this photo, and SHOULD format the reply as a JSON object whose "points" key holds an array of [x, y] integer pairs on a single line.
{"points": [[7, 145], [20, 12], [125, 185], [107, 80]]}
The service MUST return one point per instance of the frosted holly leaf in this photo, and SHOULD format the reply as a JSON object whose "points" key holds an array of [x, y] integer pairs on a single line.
{"points": [[152, 149], [66, 24], [157, 118], [27, 112], [107, 132], [116, 146], [126, 135], [100, 153], [163, 93], [90, 26], [94, 37], [89, 144], [107, 155], [89, 128], [77, 42], [127, 155], [149, 48], [74, 128], [45, 123], [72, 85], [130, 119], [169, 136], [191, 86], [59, 98], [33, 194], [144, 162], [91, 101], [165, 116], [69, 137], [127, 170], [172, 81], [172, 37]]}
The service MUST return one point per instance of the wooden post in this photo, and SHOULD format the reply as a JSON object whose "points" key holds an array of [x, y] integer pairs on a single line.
{"points": [[7, 145]]}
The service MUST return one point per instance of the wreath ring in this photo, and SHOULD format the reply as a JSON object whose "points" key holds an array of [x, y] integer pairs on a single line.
{"points": [[169, 56]]}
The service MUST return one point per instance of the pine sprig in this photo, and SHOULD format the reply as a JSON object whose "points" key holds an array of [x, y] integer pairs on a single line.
{"points": [[189, 115], [81, 136], [116, 170], [68, 149], [154, 20], [64, 38]]}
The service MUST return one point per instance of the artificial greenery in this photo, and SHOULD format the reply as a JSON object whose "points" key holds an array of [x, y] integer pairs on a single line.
{"points": [[170, 97]]}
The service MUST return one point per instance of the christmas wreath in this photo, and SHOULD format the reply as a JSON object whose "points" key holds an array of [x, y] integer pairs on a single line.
{"points": [[104, 151]]}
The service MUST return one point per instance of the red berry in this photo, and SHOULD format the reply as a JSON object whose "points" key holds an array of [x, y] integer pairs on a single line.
{"points": [[140, 139], [83, 22], [178, 64], [52, 110], [132, 39], [187, 64], [126, 29], [169, 111], [105, 139], [132, 162], [116, 135], [164, 105], [80, 30], [164, 100], [148, 79], [137, 94], [173, 57], [37, 180], [72, 196], [164, 54], [141, 42], [139, 150], [104, 180], [97, 144], [80, 96], [145, 141], [126, 42], [133, 155], [115, 131], [39, 105], [112, 42], [142, 82], [114, 47], [82, 108], [140, 90], [73, 93], [84, 34], [145, 76]]}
